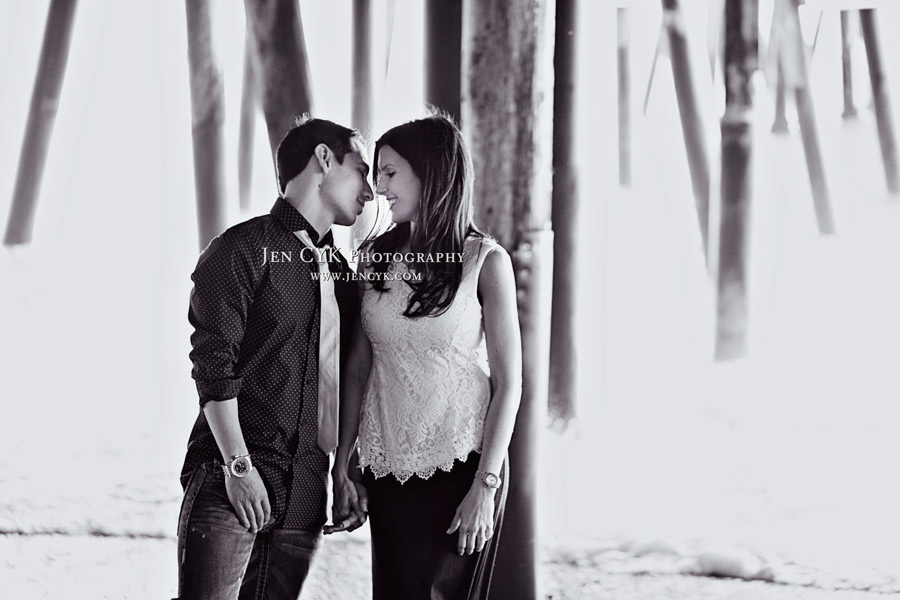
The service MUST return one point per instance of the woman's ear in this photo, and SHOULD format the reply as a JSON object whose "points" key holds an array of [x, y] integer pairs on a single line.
{"points": [[324, 157]]}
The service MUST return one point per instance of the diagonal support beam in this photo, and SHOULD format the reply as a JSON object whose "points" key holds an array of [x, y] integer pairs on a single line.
{"points": [[881, 98], [691, 121], [41, 118], [792, 61]]}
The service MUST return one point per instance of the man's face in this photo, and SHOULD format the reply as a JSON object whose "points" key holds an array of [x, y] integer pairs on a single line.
{"points": [[346, 189]]}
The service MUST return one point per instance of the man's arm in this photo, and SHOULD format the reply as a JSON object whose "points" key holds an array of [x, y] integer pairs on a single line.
{"points": [[220, 302], [224, 282], [248, 495], [350, 500]]}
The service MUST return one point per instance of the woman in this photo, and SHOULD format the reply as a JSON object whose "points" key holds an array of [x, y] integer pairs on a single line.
{"points": [[433, 380]]}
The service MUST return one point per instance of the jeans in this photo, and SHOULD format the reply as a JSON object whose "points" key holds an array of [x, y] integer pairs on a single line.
{"points": [[219, 559]]}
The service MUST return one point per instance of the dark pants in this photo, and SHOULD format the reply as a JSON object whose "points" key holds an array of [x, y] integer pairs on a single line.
{"points": [[413, 558], [219, 559]]}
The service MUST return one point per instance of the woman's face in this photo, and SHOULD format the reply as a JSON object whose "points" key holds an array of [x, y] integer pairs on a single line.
{"points": [[398, 184]]}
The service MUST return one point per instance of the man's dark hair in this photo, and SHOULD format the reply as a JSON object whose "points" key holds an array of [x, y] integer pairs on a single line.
{"points": [[296, 148]]}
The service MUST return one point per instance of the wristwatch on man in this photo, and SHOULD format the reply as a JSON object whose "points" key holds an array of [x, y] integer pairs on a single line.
{"points": [[489, 479], [239, 466]]}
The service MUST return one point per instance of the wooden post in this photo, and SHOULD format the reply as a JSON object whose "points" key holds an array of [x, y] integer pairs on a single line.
{"points": [[362, 116], [792, 58], [284, 80], [714, 29], [443, 47], [780, 125], [207, 116], [624, 72], [691, 121], [41, 117], [507, 71], [847, 64], [362, 112], [248, 125], [565, 217], [881, 98], [741, 48]]}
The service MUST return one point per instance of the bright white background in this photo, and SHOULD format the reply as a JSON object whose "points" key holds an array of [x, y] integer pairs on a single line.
{"points": [[791, 453]]}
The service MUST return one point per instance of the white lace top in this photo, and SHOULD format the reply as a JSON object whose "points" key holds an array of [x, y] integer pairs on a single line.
{"points": [[429, 387]]}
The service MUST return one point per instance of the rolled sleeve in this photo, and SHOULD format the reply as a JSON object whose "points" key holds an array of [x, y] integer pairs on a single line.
{"points": [[219, 305]]}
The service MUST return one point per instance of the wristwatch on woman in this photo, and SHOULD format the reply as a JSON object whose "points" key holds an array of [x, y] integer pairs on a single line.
{"points": [[489, 479], [239, 466]]}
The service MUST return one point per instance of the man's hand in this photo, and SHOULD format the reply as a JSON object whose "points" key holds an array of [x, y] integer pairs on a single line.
{"points": [[250, 500], [351, 505]]}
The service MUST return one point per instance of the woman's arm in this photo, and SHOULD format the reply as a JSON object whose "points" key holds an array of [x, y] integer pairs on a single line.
{"points": [[350, 502], [497, 288]]}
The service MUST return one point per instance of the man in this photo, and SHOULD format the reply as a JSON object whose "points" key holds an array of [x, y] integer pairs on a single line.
{"points": [[256, 469]]}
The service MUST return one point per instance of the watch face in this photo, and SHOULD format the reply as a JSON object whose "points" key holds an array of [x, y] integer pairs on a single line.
{"points": [[240, 467], [491, 480]]}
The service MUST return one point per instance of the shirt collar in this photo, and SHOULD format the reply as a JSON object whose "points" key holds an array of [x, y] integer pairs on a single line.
{"points": [[285, 213]]}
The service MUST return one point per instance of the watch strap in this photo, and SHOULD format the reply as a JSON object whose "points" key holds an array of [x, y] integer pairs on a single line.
{"points": [[487, 476]]}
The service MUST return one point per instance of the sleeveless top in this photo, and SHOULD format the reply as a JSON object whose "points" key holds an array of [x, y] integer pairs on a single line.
{"points": [[429, 385]]}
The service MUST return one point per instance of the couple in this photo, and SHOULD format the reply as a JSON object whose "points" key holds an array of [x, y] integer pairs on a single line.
{"points": [[429, 385]]}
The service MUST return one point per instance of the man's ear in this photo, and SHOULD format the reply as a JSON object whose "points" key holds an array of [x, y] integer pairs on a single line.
{"points": [[324, 156]]}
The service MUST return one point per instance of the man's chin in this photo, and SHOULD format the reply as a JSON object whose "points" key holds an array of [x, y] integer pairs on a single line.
{"points": [[347, 221]]}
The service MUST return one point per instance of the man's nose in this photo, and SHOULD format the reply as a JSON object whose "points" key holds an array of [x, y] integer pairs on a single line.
{"points": [[367, 192]]}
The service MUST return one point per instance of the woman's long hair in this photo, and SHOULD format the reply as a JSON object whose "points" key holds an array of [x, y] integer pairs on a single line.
{"points": [[434, 148]]}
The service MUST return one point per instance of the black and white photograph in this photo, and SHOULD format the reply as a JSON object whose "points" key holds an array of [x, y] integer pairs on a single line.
{"points": [[450, 299]]}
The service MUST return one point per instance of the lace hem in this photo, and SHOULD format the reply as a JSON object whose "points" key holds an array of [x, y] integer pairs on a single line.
{"points": [[383, 469]]}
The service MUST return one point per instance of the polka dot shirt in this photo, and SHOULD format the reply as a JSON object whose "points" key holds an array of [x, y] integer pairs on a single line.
{"points": [[255, 311]]}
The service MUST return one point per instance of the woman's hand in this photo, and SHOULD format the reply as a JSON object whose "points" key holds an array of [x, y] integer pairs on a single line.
{"points": [[350, 507], [474, 519]]}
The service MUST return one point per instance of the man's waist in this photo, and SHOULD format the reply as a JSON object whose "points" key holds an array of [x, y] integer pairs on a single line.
{"points": [[309, 455]]}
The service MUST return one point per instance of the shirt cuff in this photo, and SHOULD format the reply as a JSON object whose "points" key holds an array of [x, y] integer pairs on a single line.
{"points": [[218, 391]]}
